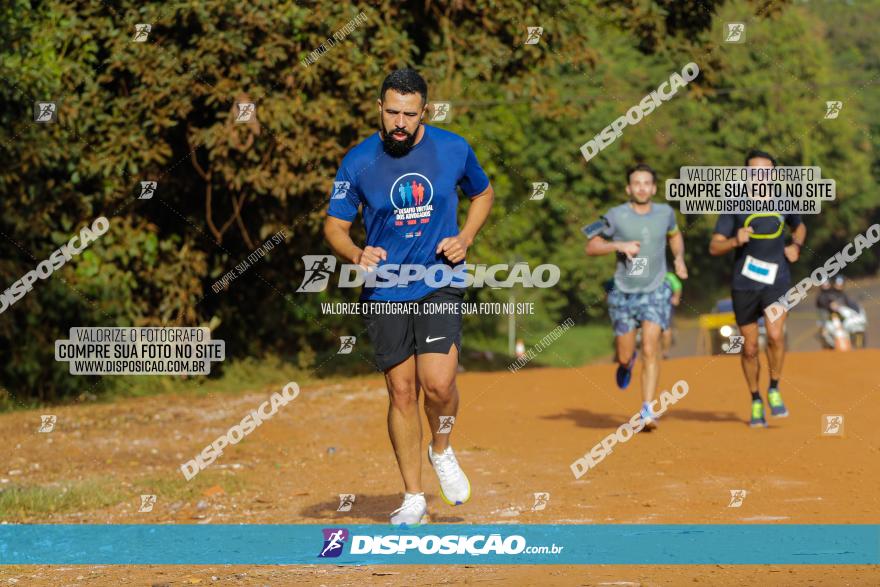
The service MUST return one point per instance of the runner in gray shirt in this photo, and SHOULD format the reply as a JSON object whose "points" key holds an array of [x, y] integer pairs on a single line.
{"points": [[637, 233]]}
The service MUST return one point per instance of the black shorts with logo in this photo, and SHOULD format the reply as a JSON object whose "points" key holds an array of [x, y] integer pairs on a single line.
{"points": [[429, 325], [749, 304]]}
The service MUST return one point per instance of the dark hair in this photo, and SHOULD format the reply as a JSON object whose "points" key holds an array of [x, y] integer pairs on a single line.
{"points": [[641, 167], [757, 153], [405, 81]]}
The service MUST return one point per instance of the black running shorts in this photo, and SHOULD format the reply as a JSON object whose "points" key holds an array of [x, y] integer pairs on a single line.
{"points": [[399, 330], [749, 304]]}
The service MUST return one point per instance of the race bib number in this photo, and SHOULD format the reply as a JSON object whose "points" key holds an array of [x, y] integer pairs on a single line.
{"points": [[761, 271]]}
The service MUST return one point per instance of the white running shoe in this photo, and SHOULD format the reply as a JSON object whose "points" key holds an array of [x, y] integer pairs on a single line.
{"points": [[455, 489], [412, 512]]}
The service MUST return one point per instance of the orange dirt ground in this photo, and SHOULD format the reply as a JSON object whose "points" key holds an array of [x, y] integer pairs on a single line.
{"points": [[516, 434]]}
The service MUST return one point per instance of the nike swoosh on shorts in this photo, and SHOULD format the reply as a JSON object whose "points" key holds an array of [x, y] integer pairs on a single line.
{"points": [[429, 339]]}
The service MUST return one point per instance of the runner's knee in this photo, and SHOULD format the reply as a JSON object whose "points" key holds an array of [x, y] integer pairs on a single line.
{"points": [[650, 346], [775, 338], [750, 349], [402, 392], [439, 388], [650, 351]]}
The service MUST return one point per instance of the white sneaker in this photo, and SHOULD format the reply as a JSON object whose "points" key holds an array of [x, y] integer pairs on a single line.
{"points": [[412, 512], [455, 489]]}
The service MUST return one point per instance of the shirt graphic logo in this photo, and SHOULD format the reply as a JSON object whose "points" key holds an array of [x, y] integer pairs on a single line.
{"points": [[411, 196]]}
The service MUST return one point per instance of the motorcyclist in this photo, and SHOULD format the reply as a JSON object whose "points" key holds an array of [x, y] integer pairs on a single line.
{"points": [[832, 296]]}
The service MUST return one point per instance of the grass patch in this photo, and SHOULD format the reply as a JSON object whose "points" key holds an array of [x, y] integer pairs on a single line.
{"points": [[176, 488], [18, 503], [577, 346], [92, 494], [235, 376]]}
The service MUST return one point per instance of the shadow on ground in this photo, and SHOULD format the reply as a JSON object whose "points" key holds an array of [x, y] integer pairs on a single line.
{"points": [[374, 509]]}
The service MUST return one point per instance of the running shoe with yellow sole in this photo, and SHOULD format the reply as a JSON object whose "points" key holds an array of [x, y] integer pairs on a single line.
{"points": [[455, 489], [758, 420], [413, 512], [777, 408]]}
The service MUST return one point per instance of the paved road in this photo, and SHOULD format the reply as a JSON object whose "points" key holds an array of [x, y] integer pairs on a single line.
{"points": [[802, 326]]}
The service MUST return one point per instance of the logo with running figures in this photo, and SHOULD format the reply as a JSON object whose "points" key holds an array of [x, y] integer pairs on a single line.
{"points": [[637, 266], [148, 188], [340, 190], [47, 423], [334, 541], [411, 196], [147, 503], [441, 112], [446, 423], [45, 112], [246, 111], [737, 496], [832, 425], [534, 35], [346, 345], [319, 268], [346, 500], [832, 109], [735, 345], [736, 32], [141, 32], [539, 189], [541, 501]]}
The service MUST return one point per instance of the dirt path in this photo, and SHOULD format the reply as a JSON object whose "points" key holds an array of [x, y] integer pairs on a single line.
{"points": [[516, 435]]}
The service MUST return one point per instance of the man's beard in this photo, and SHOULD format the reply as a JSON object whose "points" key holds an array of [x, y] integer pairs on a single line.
{"points": [[394, 147]]}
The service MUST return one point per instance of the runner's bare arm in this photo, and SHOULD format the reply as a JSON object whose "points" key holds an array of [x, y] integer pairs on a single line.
{"points": [[676, 245], [598, 246], [455, 247], [336, 232], [721, 245], [798, 236]]}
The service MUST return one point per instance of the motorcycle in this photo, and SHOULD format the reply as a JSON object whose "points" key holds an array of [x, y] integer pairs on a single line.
{"points": [[843, 329]]}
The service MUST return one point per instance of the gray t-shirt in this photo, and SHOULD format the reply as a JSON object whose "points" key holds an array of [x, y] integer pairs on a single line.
{"points": [[645, 272]]}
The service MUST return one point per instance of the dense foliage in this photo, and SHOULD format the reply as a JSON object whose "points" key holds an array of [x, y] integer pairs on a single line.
{"points": [[164, 110]]}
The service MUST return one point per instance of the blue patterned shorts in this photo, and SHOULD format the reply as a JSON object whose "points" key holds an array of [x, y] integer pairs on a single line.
{"points": [[628, 310]]}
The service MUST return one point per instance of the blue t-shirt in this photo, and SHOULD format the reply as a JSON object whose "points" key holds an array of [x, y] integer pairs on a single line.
{"points": [[409, 203]]}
